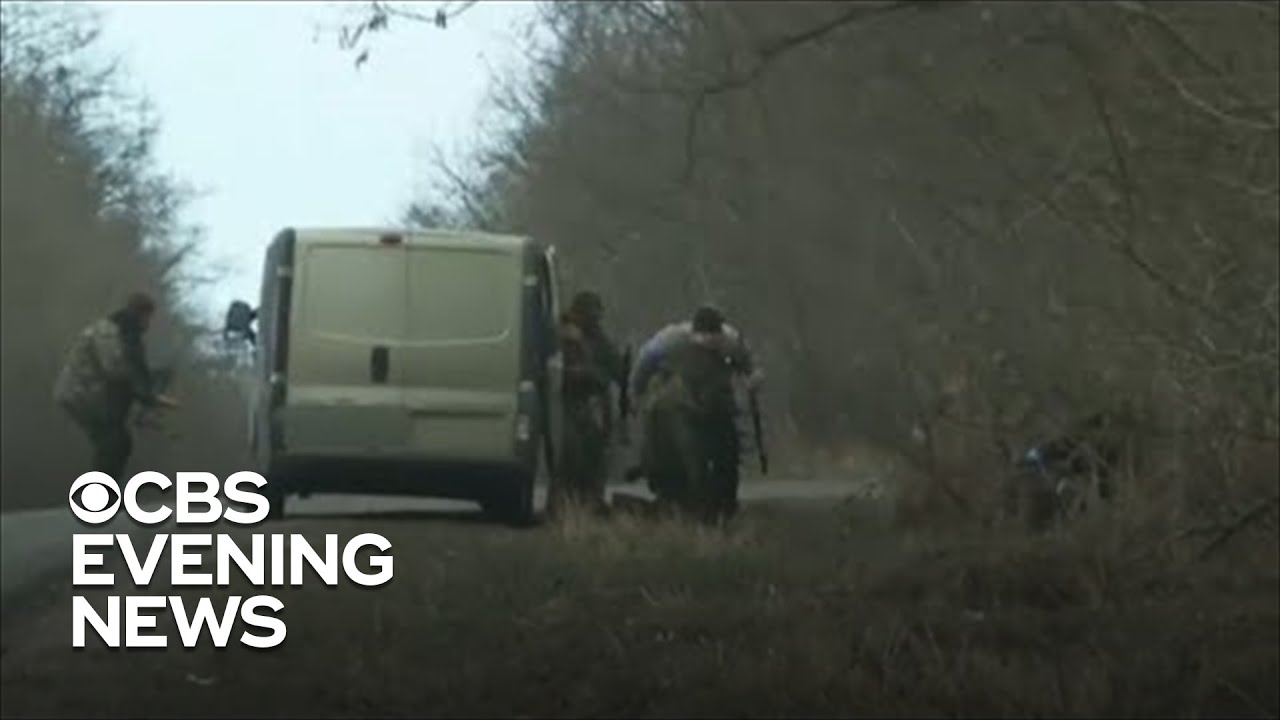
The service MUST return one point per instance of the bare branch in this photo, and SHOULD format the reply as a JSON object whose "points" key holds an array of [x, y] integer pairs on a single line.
{"points": [[1115, 241], [379, 17], [772, 52], [440, 18], [662, 19], [1196, 100], [465, 190], [916, 249], [1146, 11], [1260, 510], [1118, 154]]}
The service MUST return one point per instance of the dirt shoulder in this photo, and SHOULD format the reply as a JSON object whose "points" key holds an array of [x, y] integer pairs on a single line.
{"points": [[802, 609]]}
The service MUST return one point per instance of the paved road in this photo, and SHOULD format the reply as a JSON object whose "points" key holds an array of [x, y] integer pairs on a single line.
{"points": [[35, 546], [751, 491]]}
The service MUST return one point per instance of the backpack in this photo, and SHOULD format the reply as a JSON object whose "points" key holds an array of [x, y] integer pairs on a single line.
{"points": [[707, 377]]}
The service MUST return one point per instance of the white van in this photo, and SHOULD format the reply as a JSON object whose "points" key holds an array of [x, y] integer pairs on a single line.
{"points": [[406, 362]]}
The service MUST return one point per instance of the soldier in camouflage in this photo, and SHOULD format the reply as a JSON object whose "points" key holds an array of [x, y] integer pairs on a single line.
{"points": [[104, 374], [593, 365], [690, 442]]}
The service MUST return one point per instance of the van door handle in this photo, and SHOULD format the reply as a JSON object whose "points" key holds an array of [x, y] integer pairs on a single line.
{"points": [[379, 364]]}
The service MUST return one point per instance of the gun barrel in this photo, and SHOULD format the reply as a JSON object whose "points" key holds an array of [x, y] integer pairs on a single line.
{"points": [[624, 383], [759, 431]]}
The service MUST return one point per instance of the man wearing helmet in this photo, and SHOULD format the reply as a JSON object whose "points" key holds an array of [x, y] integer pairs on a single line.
{"points": [[592, 367]]}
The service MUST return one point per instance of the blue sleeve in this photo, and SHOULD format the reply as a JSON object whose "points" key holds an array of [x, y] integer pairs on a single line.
{"points": [[646, 362]]}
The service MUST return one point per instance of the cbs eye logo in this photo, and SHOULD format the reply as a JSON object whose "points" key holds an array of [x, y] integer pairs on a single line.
{"points": [[91, 497]]}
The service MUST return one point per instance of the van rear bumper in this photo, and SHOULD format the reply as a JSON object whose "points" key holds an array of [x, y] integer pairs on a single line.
{"points": [[454, 480]]}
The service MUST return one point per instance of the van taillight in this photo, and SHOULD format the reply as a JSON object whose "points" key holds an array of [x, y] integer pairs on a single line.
{"points": [[391, 239]]}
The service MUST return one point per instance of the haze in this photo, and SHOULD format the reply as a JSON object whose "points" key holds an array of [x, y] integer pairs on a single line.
{"points": [[264, 112]]}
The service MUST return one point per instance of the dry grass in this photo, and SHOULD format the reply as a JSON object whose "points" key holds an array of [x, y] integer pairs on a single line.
{"points": [[795, 611]]}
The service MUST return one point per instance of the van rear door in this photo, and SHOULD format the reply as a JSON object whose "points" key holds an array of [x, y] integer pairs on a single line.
{"points": [[462, 352], [555, 363], [345, 386]]}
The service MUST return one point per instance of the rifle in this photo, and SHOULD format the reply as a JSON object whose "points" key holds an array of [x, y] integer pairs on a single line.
{"points": [[624, 396], [146, 418], [753, 402]]}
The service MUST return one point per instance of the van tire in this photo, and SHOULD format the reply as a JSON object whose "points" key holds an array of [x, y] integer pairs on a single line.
{"points": [[275, 494], [513, 504]]}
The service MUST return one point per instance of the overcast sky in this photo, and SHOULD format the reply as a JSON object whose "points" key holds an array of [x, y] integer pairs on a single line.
{"points": [[261, 109]]}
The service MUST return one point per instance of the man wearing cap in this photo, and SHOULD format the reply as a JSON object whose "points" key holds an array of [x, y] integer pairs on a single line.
{"points": [[691, 411], [104, 374]]}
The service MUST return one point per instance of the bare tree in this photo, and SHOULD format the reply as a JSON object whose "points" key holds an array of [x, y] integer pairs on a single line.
{"points": [[952, 230], [85, 217]]}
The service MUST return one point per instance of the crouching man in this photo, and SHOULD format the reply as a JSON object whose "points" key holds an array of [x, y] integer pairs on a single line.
{"points": [[689, 443], [104, 374]]}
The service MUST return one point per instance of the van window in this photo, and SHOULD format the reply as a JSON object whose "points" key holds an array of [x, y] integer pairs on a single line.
{"points": [[355, 292], [461, 294]]}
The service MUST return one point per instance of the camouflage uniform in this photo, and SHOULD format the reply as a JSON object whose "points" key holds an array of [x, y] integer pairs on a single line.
{"points": [[1061, 475], [592, 365], [690, 444], [104, 374]]}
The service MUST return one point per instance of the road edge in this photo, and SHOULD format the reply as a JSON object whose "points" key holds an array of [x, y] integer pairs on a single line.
{"points": [[52, 578]]}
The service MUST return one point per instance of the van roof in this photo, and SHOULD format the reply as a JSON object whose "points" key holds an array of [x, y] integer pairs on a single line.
{"points": [[435, 237]]}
